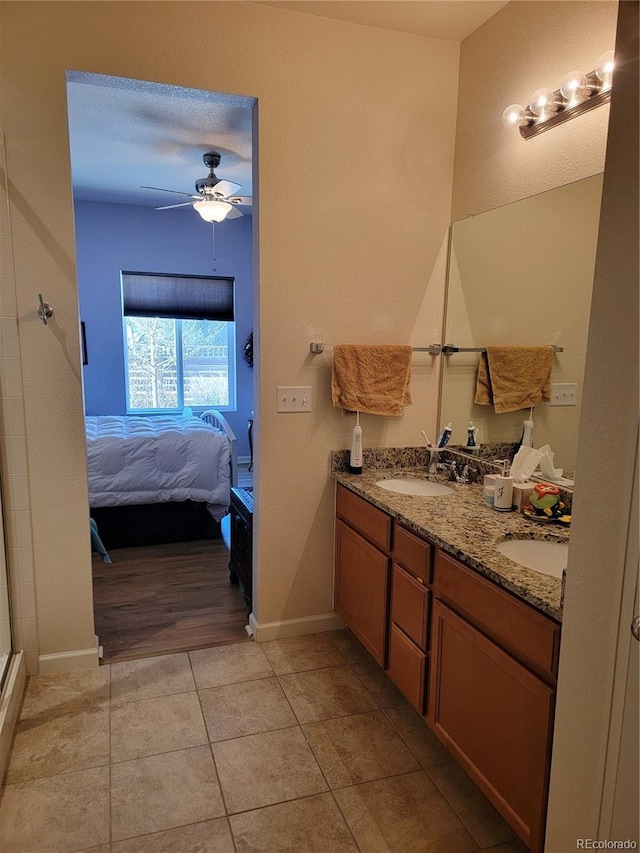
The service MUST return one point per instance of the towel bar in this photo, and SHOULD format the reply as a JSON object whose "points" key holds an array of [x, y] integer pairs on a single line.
{"points": [[317, 347], [448, 349]]}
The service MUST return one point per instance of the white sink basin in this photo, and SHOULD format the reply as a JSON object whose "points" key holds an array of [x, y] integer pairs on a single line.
{"points": [[549, 558], [414, 486]]}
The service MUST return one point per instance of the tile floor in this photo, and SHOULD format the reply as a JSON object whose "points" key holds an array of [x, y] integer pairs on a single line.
{"points": [[292, 745]]}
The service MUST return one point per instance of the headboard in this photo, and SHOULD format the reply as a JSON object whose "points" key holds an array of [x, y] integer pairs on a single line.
{"points": [[216, 419]]}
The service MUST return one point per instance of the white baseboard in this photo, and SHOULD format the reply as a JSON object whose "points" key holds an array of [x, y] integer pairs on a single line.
{"points": [[294, 627], [10, 706], [69, 661]]}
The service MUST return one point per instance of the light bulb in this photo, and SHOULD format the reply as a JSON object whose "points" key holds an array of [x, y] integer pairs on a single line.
{"points": [[212, 210], [542, 103], [514, 116], [574, 87], [604, 69]]}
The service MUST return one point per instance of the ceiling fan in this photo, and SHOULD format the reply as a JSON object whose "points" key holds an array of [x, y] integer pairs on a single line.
{"points": [[213, 201]]}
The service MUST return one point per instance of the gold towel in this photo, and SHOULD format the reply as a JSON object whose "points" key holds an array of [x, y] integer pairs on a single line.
{"points": [[512, 378], [371, 378]]}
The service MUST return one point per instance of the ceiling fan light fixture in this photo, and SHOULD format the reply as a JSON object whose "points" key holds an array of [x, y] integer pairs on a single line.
{"points": [[212, 210]]}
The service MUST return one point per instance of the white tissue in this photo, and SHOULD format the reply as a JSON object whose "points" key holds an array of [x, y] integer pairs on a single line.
{"points": [[524, 464], [546, 464]]}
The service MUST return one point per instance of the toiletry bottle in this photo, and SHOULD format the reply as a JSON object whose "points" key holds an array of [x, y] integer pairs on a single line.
{"points": [[471, 434], [445, 435], [355, 457], [503, 497]]}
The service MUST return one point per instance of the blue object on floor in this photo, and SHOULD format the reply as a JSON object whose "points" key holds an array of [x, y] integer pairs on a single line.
{"points": [[96, 542]]}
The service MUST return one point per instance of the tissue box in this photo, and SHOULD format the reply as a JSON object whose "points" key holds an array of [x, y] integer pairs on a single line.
{"points": [[521, 492]]}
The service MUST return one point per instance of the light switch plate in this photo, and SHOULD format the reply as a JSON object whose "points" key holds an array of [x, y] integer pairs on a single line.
{"points": [[293, 398], [563, 393]]}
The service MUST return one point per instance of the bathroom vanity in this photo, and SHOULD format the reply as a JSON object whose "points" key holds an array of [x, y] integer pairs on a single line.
{"points": [[470, 638]]}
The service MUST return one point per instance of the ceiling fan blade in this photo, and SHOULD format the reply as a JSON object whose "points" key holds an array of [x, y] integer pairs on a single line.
{"points": [[241, 199], [162, 190], [169, 206], [225, 188], [234, 213]]}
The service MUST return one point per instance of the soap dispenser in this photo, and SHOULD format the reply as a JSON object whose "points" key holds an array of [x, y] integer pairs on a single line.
{"points": [[503, 497]]}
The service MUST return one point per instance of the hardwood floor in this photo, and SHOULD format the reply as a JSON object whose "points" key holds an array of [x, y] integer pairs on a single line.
{"points": [[166, 598]]}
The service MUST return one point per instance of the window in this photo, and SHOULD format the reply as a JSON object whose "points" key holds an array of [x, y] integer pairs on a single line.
{"points": [[179, 342]]}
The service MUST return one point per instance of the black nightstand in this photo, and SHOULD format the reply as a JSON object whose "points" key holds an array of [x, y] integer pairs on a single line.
{"points": [[241, 526]]}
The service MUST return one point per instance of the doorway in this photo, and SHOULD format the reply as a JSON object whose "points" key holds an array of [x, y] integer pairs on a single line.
{"points": [[138, 153]]}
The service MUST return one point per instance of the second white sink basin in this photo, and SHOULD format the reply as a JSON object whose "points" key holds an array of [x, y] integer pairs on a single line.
{"points": [[414, 486], [550, 558]]}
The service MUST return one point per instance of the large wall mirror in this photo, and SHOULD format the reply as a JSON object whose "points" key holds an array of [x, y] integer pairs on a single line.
{"points": [[522, 275]]}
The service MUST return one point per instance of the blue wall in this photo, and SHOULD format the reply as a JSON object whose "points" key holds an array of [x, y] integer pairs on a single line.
{"points": [[113, 237]]}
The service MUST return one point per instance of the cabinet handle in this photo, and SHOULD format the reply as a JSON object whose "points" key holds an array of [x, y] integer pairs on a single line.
{"points": [[635, 627]]}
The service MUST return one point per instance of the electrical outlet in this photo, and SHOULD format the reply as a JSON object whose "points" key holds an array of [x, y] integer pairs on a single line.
{"points": [[563, 393], [293, 398]]}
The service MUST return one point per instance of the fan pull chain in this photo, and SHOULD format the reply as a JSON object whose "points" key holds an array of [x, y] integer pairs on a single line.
{"points": [[213, 241]]}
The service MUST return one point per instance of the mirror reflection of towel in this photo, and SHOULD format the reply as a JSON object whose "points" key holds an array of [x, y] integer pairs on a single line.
{"points": [[512, 378], [371, 378]]}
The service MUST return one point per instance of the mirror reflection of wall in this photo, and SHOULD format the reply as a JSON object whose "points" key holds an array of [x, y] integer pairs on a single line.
{"points": [[522, 275]]}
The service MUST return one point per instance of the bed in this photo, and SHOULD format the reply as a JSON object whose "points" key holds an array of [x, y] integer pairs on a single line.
{"points": [[159, 478]]}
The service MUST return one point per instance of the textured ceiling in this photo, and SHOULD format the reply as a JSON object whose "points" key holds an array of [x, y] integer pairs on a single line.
{"points": [[127, 133]]}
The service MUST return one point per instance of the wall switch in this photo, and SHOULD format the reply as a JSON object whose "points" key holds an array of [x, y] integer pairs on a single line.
{"points": [[563, 393], [293, 398]]}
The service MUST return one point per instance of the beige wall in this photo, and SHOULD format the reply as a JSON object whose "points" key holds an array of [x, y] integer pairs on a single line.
{"points": [[524, 47], [350, 124], [602, 574]]}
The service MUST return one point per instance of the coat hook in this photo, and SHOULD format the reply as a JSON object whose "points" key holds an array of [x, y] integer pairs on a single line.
{"points": [[44, 310]]}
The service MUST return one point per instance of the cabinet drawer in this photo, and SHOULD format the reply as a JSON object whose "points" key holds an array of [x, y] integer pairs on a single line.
{"points": [[370, 521], [407, 668], [410, 606], [413, 553], [521, 630]]}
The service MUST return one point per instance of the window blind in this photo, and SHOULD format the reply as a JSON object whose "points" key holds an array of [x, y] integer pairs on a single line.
{"points": [[184, 297]]}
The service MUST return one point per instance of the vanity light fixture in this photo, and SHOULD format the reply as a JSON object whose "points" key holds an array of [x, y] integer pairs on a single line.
{"points": [[577, 94]]}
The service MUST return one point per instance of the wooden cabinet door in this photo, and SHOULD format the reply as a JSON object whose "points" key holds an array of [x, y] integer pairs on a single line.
{"points": [[495, 717], [362, 589]]}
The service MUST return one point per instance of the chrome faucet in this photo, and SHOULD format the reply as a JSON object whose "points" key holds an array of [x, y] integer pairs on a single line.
{"points": [[464, 475]]}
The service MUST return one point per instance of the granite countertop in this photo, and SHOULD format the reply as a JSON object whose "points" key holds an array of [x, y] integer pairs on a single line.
{"points": [[465, 527]]}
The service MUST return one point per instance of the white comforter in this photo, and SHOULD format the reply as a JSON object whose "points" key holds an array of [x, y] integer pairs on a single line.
{"points": [[142, 460]]}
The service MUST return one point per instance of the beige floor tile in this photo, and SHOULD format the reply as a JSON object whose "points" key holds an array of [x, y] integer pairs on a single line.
{"points": [[156, 725], [358, 748], [418, 736], [515, 846], [143, 679], [310, 825], [212, 836], [66, 692], [62, 813], [349, 647], [103, 848], [379, 684], [403, 813], [321, 694], [46, 746], [268, 768], [164, 791], [249, 708], [229, 664], [471, 806], [296, 654]]}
